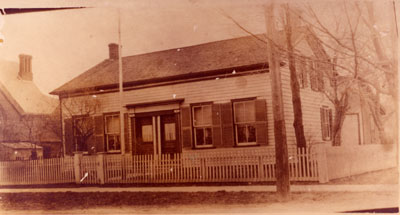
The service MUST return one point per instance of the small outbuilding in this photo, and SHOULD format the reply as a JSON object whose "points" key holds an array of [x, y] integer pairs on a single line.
{"points": [[20, 151]]}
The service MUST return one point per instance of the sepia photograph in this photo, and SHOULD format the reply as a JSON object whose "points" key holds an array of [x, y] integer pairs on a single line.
{"points": [[199, 106]]}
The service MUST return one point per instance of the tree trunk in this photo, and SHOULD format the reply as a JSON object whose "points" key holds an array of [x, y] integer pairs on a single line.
{"points": [[294, 85], [340, 113]]}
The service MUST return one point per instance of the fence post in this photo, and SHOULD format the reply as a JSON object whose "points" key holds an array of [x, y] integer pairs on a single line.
{"points": [[100, 167], [77, 167], [260, 167], [322, 162]]}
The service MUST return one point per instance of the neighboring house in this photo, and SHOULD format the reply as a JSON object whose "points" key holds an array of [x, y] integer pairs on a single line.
{"points": [[26, 114], [204, 97], [19, 151]]}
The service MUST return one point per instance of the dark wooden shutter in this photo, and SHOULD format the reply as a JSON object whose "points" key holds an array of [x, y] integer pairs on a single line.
{"points": [[186, 127], [261, 122], [228, 139], [99, 133], [126, 133], [134, 141], [69, 136], [91, 141], [323, 123], [311, 71], [91, 145], [305, 76], [330, 124], [216, 125]]}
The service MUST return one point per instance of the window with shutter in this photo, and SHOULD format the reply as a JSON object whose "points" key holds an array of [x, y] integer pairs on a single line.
{"points": [[83, 130]]}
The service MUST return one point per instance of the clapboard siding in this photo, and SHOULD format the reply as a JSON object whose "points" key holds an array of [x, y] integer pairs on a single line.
{"points": [[311, 102], [219, 90], [223, 89]]}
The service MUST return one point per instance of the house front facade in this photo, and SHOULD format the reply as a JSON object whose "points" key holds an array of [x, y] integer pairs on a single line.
{"points": [[209, 97]]}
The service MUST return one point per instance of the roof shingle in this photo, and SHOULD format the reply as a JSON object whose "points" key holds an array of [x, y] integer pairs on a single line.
{"points": [[224, 54]]}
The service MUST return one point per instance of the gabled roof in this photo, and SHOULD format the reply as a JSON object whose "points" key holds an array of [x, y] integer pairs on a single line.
{"points": [[24, 95], [213, 56]]}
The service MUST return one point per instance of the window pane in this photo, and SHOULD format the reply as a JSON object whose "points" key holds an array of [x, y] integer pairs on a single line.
{"points": [[147, 133], [199, 132], [198, 116], [112, 124], [252, 133], [113, 142], [208, 136], [169, 131], [207, 117], [80, 144], [250, 111], [239, 112], [241, 133]]}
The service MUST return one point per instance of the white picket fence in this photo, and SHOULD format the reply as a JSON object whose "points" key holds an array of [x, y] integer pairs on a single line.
{"points": [[46, 171], [252, 165]]}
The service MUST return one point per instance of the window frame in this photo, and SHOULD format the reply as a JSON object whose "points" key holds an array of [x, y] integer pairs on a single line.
{"points": [[326, 123], [116, 134], [204, 127], [76, 136], [247, 123]]}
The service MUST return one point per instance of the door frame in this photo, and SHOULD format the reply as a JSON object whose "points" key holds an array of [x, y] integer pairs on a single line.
{"points": [[156, 121]]}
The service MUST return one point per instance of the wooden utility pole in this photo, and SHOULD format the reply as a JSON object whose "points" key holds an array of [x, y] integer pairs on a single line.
{"points": [[281, 152], [121, 88]]}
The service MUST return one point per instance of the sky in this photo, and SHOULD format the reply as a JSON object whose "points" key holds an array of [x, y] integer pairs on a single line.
{"points": [[66, 43]]}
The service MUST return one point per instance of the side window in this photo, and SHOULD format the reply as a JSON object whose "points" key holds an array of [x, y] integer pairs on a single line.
{"points": [[112, 132], [326, 123], [302, 73], [202, 125], [245, 122]]}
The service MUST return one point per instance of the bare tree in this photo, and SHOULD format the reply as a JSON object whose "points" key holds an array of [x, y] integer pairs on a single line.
{"points": [[356, 69], [294, 82], [81, 110], [343, 55]]}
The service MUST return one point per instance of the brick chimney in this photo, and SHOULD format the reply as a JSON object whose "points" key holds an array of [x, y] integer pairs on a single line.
{"points": [[25, 67], [113, 51]]}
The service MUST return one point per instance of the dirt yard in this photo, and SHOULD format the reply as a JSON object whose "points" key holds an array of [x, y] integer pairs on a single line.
{"points": [[387, 176], [199, 202]]}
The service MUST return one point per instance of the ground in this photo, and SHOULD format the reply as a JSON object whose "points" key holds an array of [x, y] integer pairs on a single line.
{"points": [[387, 176], [198, 202]]}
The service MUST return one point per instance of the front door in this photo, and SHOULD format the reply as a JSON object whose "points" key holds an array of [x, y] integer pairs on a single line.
{"points": [[155, 133]]}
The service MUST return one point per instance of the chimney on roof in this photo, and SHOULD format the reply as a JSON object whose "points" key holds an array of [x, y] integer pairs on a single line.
{"points": [[113, 51], [25, 67]]}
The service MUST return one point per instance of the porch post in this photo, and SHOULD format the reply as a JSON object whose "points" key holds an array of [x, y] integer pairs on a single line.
{"points": [[322, 161], [77, 167]]}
